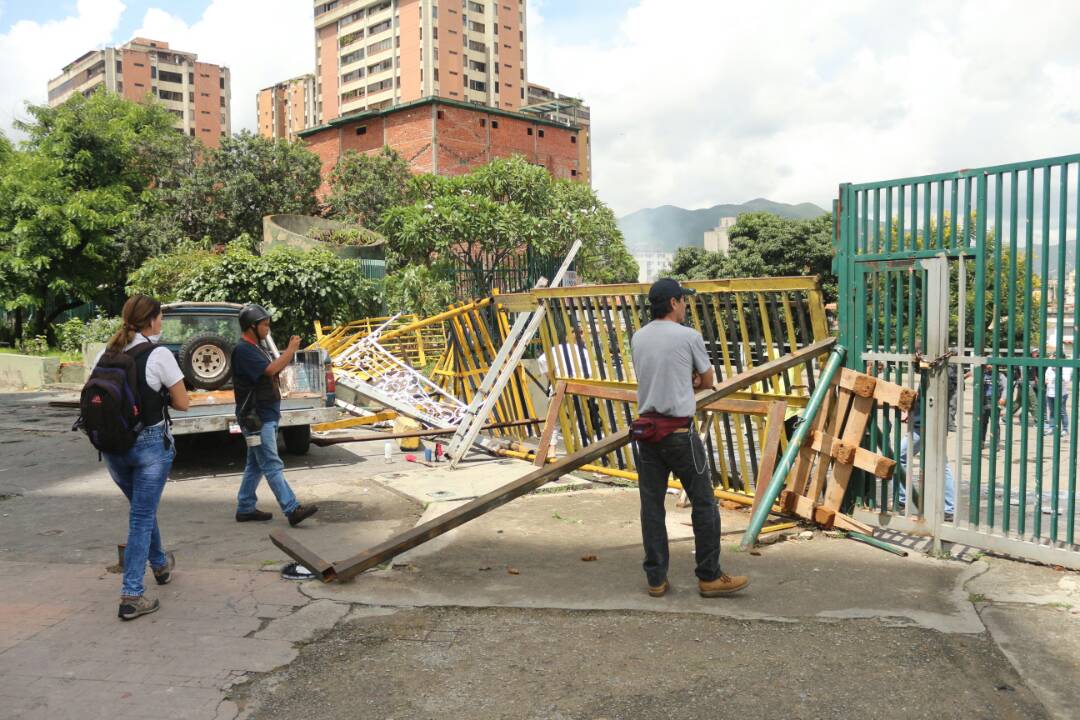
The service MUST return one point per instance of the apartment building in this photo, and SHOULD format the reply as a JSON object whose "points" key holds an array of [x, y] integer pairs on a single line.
{"points": [[718, 240], [653, 265], [287, 108], [371, 54], [545, 103], [197, 93]]}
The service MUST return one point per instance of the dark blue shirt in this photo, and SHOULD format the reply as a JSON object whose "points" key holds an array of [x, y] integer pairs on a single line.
{"points": [[250, 380]]}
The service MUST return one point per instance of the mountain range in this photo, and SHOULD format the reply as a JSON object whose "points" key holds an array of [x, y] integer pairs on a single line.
{"points": [[667, 228]]}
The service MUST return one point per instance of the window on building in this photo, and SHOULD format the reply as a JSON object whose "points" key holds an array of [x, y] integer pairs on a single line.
{"points": [[353, 75], [495, 124], [380, 46], [477, 46], [191, 78], [483, 122], [362, 130], [380, 66], [475, 7], [573, 173], [153, 72], [221, 100], [192, 131], [119, 67], [573, 139], [378, 8], [206, 130], [439, 114], [139, 65], [528, 131], [477, 27], [166, 76], [350, 38], [477, 66], [379, 27], [221, 83], [353, 57], [170, 95]]}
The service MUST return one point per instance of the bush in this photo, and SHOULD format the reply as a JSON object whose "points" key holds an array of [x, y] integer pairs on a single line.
{"points": [[417, 289], [163, 277], [71, 335], [296, 286], [358, 237], [37, 345]]}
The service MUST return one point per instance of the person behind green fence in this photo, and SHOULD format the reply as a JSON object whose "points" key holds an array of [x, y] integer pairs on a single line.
{"points": [[1054, 376]]}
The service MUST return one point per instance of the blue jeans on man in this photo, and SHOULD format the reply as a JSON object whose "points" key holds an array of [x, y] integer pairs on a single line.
{"points": [[141, 474], [262, 460], [916, 446], [1050, 415]]}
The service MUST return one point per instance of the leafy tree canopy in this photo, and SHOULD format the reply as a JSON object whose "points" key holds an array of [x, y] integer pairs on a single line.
{"points": [[68, 191], [481, 220], [363, 186]]}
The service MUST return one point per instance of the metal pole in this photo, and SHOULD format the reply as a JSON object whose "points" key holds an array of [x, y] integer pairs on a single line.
{"points": [[824, 384]]}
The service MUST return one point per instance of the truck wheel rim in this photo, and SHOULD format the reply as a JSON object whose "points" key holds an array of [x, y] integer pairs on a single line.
{"points": [[208, 361]]}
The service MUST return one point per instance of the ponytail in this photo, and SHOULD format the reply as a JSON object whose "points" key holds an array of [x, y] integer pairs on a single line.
{"points": [[139, 311]]}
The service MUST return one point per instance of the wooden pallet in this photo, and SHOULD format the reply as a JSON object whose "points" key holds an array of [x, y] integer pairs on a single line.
{"points": [[819, 478]]}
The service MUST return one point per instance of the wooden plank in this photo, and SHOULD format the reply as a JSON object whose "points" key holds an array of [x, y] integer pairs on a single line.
{"points": [[302, 554], [355, 421], [871, 462], [540, 476], [854, 430], [802, 507], [844, 398], [775, 424], [860, 384], [324, 442], [550, 422]]}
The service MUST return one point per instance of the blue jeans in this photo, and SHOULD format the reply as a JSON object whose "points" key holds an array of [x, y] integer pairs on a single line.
{"points": [[916, 446], [264, 460], [141, 473], [1049, 422]]}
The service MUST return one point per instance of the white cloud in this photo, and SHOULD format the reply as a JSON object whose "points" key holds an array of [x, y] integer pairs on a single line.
{"points": [[696, 102], [35, 52], [261, 42]]}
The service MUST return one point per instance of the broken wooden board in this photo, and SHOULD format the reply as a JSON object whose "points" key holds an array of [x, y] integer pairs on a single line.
{"points": [[420, 534]]}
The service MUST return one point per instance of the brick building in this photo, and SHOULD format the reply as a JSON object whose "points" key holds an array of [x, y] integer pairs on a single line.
{"points": [[197, 93], [446, 137]]}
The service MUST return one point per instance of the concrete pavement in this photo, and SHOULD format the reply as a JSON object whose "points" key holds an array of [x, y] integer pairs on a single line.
{"points": [[842, 629]]}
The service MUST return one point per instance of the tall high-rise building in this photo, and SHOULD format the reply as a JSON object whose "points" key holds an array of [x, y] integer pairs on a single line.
{"points": [[197, 93], [371, 54], [545, 103], [287, 108], [718, 239]]}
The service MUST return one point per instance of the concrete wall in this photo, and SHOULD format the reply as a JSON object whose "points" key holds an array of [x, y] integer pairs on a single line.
{"points": [[27, 372]]}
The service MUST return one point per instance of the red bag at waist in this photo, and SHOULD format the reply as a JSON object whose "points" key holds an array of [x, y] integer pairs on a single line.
{"points": [[654, 427]]}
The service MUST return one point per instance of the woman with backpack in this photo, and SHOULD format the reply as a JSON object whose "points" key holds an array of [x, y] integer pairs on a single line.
{"points": [[135, 441]]}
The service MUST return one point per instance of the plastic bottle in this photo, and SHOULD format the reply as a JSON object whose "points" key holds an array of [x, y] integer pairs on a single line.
{"points": [[388, 451]]}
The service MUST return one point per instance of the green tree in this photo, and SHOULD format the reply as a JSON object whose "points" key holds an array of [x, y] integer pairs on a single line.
{"points": [[417, 289], [67, 192], [481, 220], [363, 186], [226, 193], [165, 276]]}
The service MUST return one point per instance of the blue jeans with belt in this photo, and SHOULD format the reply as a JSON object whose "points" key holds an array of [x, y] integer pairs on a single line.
{"points": [[264, 460], [141, 473]]}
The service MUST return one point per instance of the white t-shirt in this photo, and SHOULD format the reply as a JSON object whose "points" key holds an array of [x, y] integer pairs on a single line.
{"points": [[579, 361], [162, 371], [1051, 381]]}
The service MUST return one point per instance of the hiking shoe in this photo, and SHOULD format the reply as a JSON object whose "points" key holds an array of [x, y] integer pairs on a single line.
{"points": [[253, 515], [659, 590], [723, 585], [133, 607], [302, 513], [163, 574]]}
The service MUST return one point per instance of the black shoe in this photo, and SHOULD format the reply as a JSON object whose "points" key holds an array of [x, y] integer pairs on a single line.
{"points": [[163, 574], [254, 515], [301, 513]]}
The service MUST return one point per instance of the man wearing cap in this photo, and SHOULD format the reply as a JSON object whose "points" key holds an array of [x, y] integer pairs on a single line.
{"points": [[258, 410], [671, 362]]}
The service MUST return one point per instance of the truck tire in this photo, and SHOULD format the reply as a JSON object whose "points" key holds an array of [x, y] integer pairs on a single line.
{"points": [[297, 438], [206, 361]]}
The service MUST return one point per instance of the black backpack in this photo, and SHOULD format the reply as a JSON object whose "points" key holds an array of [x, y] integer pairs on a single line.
{"points": [[109, 405]]}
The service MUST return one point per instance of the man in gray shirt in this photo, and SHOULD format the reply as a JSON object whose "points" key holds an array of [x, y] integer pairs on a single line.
{"points": [[671, 362]]}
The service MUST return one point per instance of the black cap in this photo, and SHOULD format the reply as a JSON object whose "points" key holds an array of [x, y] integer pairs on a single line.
{"points": [[666, 289]]}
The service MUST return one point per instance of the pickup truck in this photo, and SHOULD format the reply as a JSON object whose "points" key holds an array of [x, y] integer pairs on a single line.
{"points": [[202, 336]]}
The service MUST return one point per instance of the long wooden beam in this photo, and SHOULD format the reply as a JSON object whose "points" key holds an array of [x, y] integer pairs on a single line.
{"points": [[420, 534], [324, 442]]}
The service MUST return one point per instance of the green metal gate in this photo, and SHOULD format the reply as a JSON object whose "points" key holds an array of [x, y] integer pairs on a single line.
{"points": [[964, 285]]}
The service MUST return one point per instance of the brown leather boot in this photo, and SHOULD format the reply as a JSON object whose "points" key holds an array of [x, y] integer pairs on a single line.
{"points": [[659, 590], [723, 585]]}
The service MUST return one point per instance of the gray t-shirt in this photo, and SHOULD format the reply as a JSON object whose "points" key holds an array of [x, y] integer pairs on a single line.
{"points": [[666, 354]]}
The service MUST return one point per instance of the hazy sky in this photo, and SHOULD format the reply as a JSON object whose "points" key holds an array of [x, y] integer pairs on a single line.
{"points": [[694, 102]]}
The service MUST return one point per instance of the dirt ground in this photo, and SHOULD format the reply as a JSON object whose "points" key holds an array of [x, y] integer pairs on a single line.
{"points": [[509, 663]]}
